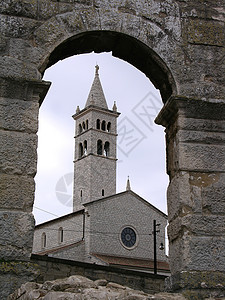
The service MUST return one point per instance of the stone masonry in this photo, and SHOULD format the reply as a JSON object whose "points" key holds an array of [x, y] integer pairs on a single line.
{"points": [[179, 46], [94, 169]]}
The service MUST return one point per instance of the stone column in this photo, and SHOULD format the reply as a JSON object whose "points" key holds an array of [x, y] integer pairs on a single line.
{"points": [[195, 142], [19, 106]]}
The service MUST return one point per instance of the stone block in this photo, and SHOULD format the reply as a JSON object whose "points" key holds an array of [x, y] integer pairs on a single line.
{"points": [[18, 153], [24, 50], [208, 190], [197, 284], [16, 235], [73, 22], [205, 91], [27, 8], [16, 192], [15, 273], [15, 27], [14, 68], [200, 157], [21, 89], [50, 33], [179, 245], [194, 136], [195, 252], [207, 253], [19, 115], [201, 124], [206, 32], [197, 225], [179, 196], [3, 44]]}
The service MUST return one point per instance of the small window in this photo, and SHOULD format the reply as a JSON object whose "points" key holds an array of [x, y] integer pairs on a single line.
{"points": [[81, 150], [87, 124], [60, 235], [103, 192], [106, 149], [108, 127], [43, 240], [85, 147], [80, 128], [83, 125], [103, 125], [99, 147], [81, 193], [98, 124]]}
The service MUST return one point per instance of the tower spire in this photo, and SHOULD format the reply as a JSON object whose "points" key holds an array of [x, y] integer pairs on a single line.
{"points": [[96, 95], [128, 184]]}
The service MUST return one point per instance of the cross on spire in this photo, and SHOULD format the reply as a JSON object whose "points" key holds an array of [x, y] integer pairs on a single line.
{"points": [[96, 69]]}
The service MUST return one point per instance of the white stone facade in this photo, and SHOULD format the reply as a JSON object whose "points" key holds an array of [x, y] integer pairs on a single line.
{"points": [[98, 228], [109, 216]]}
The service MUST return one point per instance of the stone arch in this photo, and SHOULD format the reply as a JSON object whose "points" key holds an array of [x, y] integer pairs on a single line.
{"points": [[183, 51], [138, 39], [124, 47]]}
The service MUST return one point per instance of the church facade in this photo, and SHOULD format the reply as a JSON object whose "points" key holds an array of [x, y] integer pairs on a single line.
{"points": [[104, 227]]}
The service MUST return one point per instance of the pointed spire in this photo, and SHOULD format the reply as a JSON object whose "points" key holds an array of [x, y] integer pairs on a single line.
{"points": [[128, 184], [96, 95], [78, 109], [114, 106]]}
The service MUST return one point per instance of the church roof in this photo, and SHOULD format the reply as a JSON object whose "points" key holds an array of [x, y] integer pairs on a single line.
{"points": [[122, 193], [96, 95], [77, 212], [60, 248], [132, 262]]}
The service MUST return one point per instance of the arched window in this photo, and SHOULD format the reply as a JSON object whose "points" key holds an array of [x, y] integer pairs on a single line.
{"points": [[81, 150], [109, 127], [80, 128], [85, 147], [81, 194], [103, 192], [60, 236], [103, 125], [43, 240], [99, 147], [83, 125], [98, 124], [106, 149], [87, 124]]}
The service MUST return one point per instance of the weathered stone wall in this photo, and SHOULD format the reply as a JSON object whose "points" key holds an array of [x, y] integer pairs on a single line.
{"points": [[179, 46], [54, 268]]}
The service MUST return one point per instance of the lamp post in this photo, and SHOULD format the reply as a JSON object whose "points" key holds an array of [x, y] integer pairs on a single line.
{"points": [[155, 245]]}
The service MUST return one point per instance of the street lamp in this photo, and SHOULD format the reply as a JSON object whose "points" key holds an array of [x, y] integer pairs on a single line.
{"points": [[155, 244]]}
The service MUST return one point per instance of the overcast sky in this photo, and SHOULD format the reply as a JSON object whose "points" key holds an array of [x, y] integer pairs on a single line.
{"points": [[141, 143]]}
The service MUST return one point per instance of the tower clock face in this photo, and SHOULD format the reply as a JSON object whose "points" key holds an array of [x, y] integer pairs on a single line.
{"points": [[128, 237]]}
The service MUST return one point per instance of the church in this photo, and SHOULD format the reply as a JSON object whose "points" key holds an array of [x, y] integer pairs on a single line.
{"points": [[105, 227]]}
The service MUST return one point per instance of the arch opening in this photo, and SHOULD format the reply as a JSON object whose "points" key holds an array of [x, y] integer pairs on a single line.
{"points": [[122, 46]]}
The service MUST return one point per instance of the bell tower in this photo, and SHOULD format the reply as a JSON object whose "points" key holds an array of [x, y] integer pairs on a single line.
{"points": [[95, 147]]}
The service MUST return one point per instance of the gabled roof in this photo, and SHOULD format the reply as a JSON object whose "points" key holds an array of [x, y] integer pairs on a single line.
{"points": [[99, 200], [60, 248], [96, 95], [78, 212], [131, 262], [123, 193]]}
